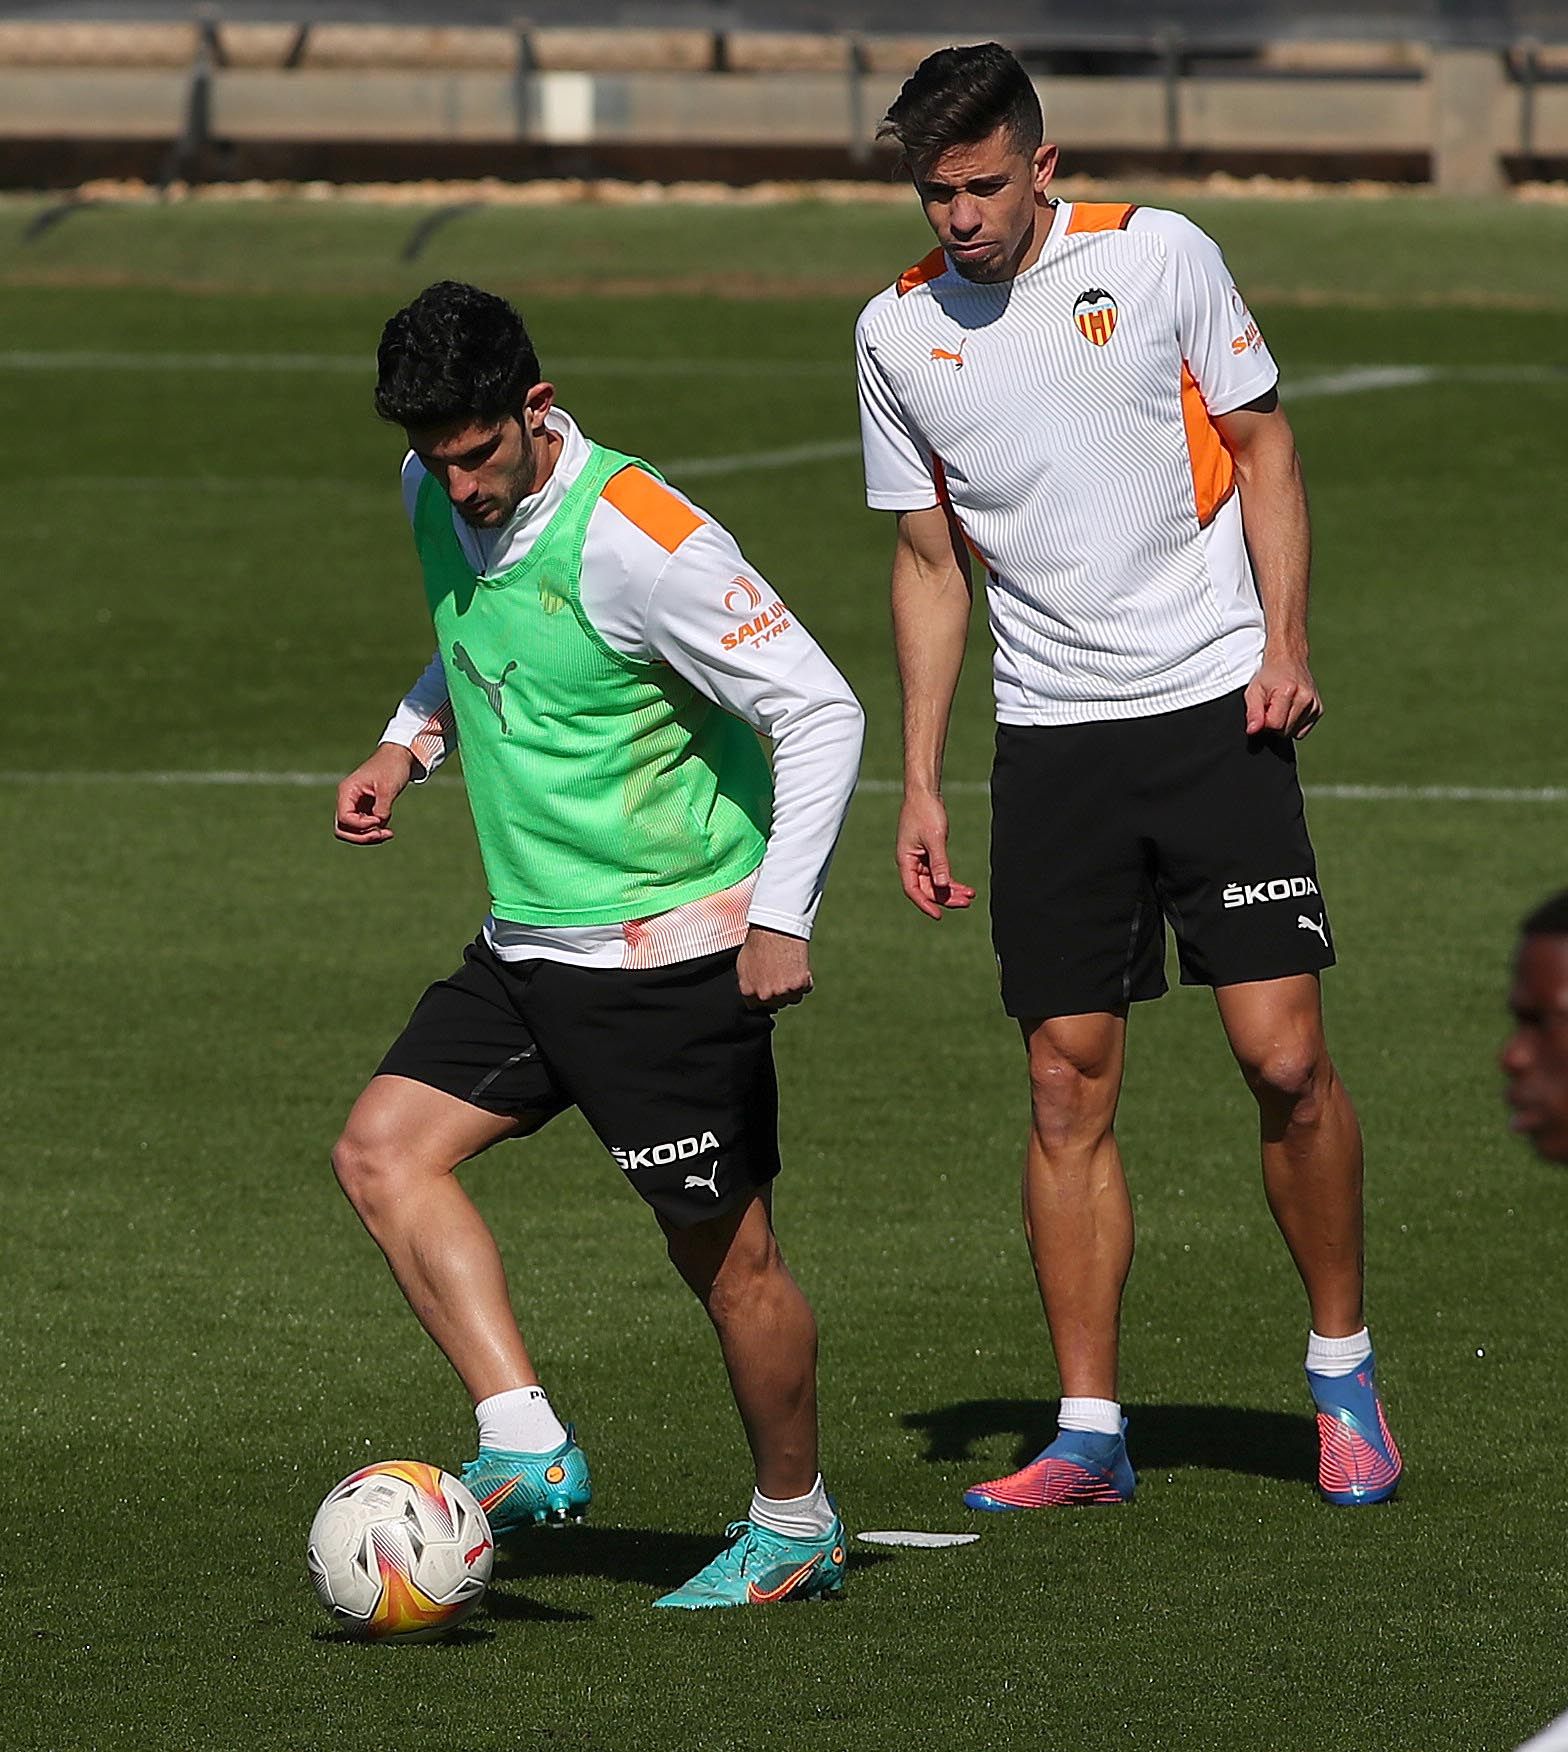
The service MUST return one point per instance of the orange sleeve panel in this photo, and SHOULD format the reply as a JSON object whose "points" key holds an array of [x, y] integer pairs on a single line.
{"points": [[930, 267], [435, 736], [1213, 471], [1099, 216], [945, 500], [652, 507]]}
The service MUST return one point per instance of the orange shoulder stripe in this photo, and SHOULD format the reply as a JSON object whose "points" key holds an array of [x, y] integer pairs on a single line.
{"points": [[1100, 216], [930, 267], [651, 506]]}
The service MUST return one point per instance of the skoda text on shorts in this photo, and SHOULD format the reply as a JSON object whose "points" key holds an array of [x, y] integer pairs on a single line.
{"points": [[1076, 398], [652, 894]]}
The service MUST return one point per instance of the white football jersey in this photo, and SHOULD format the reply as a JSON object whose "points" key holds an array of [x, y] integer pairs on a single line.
{"points": [[1066, 417]]}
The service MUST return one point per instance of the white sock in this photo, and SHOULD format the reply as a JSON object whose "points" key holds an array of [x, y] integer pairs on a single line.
{"points": [[1338, 1356], [802, 1517], [1101, 1417], [519, 1420]]}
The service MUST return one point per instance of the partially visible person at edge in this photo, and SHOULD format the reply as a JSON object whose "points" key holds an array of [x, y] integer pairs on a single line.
{"points": [[606, 656], [1535, 1058], [1535, 1067], [1076, 396]]}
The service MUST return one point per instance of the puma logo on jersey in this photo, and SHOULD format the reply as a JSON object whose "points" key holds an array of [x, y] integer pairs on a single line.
{"points": [[490, 689], [661, 1155], [693, 1181], [956, 360], [1303, 923], [1095, 314]]}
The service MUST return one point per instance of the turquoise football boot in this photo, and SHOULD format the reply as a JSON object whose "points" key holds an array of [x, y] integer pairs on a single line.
{"points": [[518, 1491], [760, 1568]]}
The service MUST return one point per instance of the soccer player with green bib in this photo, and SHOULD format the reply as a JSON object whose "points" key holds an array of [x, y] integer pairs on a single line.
{"points": [[605, 659]]}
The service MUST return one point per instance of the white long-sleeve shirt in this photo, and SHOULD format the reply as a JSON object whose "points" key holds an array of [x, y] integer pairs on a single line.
{"points": [[681, 593]]}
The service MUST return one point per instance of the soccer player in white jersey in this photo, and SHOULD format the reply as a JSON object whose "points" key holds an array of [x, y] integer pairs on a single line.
{"points": [[1076, 398], [606, 656]]}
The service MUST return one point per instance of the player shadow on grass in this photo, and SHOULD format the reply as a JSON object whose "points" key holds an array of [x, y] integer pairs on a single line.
{"points": [[652, 1556], [1223, 1438], [464, 1636]]}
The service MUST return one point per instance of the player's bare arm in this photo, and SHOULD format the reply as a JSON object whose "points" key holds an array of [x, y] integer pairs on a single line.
{"points": [[1282, 696], [932, 594], [366, 796]]}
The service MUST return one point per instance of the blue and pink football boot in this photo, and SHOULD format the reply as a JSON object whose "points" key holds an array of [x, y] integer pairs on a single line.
{"points": [[1079, 1467], [1358, 1460]]}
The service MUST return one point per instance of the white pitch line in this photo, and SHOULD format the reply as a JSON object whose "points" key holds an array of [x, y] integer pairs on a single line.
{"points": [[1354, 380], [684, 468], [872, 787], [306, 363], [1441, 793], [696, 467], [180, 776], [24, 360], [1334, 793], [1351, 380], [1357, 379]]}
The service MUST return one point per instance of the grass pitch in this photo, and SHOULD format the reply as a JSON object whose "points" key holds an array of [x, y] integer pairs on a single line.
{"points": [[209, 573]]}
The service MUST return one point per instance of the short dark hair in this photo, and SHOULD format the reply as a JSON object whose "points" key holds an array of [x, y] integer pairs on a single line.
{"points": [[1550, 918], [958, 96], [455, 353]]}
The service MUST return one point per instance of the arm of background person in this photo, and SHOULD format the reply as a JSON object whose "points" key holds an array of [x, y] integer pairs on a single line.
{"points": [[932, 595], [1282, 696], [1224, 350]]}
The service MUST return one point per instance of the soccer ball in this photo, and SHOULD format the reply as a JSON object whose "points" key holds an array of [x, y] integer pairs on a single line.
{"points": [[400, 1552]]}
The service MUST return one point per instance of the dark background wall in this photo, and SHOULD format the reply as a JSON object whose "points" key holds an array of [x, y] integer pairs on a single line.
{"points": [[1108, 20]]}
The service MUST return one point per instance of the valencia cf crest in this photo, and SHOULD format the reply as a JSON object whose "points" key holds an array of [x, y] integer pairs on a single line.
{"points": [[1095, 315]]}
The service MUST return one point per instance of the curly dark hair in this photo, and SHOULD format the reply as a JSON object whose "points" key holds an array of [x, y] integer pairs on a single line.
{"points": [[1550, 918], [959, 96], [455, 353]]}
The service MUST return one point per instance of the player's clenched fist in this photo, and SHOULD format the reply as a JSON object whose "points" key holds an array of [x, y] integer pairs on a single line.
{"points": [[366, 796], [1282, 697], [774, 969]]}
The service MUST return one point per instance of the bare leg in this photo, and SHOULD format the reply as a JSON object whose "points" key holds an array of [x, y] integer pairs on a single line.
{"points": [[1077, 1214], [395, 1162], [1311, 1139], [767, 1333]]}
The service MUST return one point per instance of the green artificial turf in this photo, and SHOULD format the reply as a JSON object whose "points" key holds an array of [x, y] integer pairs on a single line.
{"points": [[207, 571]]}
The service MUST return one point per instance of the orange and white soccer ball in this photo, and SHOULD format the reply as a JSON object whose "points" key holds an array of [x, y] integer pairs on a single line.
{"points": [[400, 1552]]}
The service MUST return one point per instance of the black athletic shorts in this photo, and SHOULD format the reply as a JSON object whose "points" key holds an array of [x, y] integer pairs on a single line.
{"points": [[667, 1064], [1100, 832]]}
